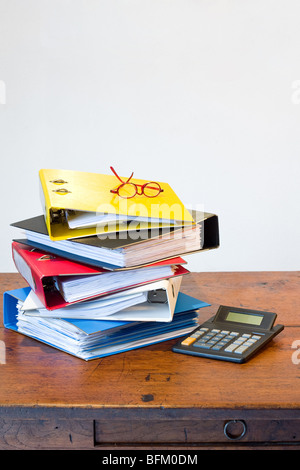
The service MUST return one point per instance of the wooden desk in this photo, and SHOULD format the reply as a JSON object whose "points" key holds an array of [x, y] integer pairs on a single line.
{"points": [[151, 397]]}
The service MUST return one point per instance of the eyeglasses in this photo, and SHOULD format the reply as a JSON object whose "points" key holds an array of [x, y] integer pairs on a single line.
{"points": [[128, 190]]}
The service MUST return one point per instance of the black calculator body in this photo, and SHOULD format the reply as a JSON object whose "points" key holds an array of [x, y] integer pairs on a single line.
{"points": [[233, 334]]}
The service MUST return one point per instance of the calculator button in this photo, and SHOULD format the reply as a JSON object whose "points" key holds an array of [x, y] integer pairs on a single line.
{"points": [[215, 331], [197, 334], [241, 349], [205, 338], [240, 340], [202, 345], [217, 347], [199, 344], [238, 343], [256, 337], [249, 343], [234, 333], [231, 347], [188, 341], [225, 340], [246, 335], [217, 338], [225, 332]]}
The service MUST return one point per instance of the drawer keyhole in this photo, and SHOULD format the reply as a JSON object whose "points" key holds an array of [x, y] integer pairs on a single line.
{"points": [[235, 429]]}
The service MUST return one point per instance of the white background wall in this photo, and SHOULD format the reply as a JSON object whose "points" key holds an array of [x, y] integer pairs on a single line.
{"points": [[202, 94]]}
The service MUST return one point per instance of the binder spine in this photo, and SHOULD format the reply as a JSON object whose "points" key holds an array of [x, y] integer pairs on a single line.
{"points": [[44, 196], [52, 215], [23, 267], [31, 275]]}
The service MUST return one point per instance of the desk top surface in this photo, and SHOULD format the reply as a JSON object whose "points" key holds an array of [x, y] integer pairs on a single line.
{"points": [[37, 375]]}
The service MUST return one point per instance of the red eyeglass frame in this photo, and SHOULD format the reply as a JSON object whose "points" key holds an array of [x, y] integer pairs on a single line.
{"points": [[136, 186]]}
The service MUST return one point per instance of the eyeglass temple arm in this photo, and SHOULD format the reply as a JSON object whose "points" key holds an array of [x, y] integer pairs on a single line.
{"points": [[115, 173]]}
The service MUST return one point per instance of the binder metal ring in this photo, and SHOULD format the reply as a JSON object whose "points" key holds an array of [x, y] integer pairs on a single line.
{"points": [[61, 191], [59, 181], [46, 257]]}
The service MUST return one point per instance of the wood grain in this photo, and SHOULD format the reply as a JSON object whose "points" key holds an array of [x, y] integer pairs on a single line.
{"points": [[152, 398], [39, 375]]}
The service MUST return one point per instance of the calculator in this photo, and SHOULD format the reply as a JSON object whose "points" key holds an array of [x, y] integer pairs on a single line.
{"points": [[233, 334]]}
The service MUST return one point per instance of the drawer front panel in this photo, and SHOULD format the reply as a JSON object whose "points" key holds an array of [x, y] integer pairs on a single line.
{"points": [[126, 432], [45, 433]]}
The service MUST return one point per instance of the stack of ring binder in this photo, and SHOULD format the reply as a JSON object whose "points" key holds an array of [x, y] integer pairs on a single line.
{"points": [[103, 264]]}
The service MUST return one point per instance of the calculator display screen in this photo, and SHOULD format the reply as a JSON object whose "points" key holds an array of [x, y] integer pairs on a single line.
{"points": [[244, 318]]}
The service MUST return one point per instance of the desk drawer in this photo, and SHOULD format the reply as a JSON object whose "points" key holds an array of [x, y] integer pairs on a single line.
{"points": [[45, 434], [128, 432]]}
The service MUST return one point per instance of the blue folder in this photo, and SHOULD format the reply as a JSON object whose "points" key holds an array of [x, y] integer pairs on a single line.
{"points": [[112, 337]]}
